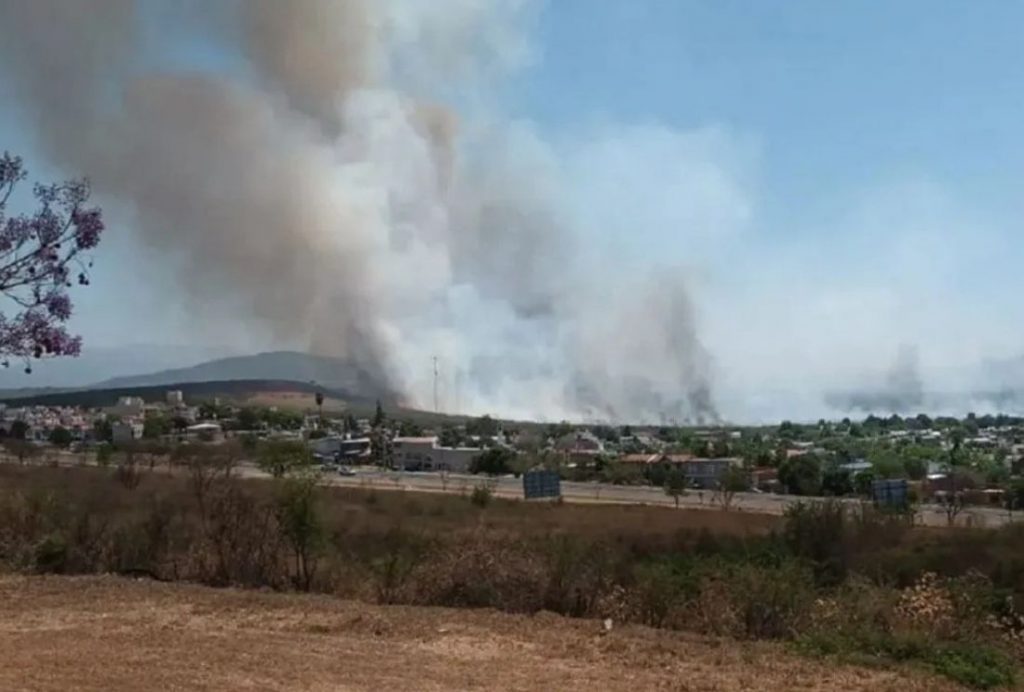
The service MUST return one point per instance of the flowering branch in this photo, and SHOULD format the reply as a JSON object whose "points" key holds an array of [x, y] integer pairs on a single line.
{"points": [[37, 255]]}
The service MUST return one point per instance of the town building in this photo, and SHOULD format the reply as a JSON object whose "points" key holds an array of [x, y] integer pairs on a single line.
{"points": [[128, 407], [125, 432], [425, 454]]}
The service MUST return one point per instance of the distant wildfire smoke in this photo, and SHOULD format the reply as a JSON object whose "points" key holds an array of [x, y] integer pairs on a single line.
{"points": [[308, 179], [902, 392]]}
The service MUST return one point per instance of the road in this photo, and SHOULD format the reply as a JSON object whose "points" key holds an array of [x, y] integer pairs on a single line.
{"points": [[512, 488]]}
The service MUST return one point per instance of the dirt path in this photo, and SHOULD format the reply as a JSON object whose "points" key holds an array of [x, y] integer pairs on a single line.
{"points": [[104, 633]]}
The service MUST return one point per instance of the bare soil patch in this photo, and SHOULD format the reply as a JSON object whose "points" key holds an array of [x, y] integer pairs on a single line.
{"points": [[112, 634]]}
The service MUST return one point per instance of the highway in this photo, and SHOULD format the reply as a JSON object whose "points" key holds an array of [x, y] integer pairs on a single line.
{"points": [[509, 487], [512, 488]]}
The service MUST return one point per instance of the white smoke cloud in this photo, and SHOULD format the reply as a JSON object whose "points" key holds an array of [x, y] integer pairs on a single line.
{"points": [[357, 192], [342, 178]]}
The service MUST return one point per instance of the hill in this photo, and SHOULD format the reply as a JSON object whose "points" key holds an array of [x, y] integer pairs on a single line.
{"points": [[100, 363], [324, 371], [239, 390]]}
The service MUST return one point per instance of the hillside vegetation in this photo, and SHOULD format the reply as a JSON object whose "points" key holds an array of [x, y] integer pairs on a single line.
{"points": [[829, 582]]}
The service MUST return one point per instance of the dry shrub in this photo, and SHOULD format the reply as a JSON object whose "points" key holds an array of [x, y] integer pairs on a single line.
{"points": [[750, 601], [241, 543], [658, 595], [928, 604], [482, 571], [393, 563], [577, 573]]}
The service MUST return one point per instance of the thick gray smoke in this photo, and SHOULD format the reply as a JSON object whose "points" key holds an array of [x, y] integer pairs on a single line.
{"points": [[324, 194]]}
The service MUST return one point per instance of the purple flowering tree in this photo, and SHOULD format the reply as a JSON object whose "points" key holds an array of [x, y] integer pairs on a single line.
{"points": [[42, 255]]}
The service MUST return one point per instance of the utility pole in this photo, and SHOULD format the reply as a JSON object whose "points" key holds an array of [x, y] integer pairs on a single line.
{"points": [[435, 384], [458, 391]]}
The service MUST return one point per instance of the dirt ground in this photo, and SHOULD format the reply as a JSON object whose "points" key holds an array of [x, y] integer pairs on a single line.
{"points": [[111, 634]]}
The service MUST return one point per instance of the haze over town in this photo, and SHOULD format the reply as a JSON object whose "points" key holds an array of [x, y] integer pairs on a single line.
{"points": [[787, 216]]}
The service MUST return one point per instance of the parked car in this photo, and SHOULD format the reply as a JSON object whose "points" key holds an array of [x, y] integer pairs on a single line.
{"points": [[346, 471]]}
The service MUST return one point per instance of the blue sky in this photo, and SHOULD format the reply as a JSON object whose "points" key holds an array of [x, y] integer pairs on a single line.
{"points": [[835, 179], [882, 154], [839, 94]]}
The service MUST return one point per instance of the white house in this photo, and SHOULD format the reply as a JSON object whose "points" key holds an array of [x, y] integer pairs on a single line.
{"points": [[424, 454]]}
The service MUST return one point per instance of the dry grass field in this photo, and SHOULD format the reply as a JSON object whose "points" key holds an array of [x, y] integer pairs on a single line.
{"points": [[113, 634]]}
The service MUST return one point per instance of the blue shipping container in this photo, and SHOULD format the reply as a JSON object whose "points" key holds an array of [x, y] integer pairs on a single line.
{"points": [[541, 484]]}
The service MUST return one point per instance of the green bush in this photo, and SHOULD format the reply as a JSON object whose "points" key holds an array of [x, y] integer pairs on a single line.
{"points": [[481, 496], [817, 531], [51, 555], [974, 665]]}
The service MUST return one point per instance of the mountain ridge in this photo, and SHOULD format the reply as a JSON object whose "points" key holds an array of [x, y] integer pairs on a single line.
{"points": [[324, 371]]}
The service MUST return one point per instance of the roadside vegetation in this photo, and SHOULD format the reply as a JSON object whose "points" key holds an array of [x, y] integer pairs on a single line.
{"points": [[855, 585]]}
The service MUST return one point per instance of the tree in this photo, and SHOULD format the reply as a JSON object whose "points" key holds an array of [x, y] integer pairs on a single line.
{"points": [[104, 453], [61, 437], [155, 425], [1014, 498], [916, 468], [836, 481], [656, 474], [484, 426], [248, 442], [886, 463], [494, 462], [249, 419], [557, 431], [408, 428], [282, 420], [720, 448], [279, 457], [103, 430], [734, 480], [20, 448], [952, 503], [449, 437], [381, 447], [38, 255], [378, 416], [801, 474], [787, 431], [675, 485], [622, 474], [301, 524], [19, 430], [320, 406], [210, 410], [864, 482]]}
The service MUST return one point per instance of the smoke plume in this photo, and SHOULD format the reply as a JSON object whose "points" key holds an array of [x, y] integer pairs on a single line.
{"points": [[331, 193], [902, 392]]}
